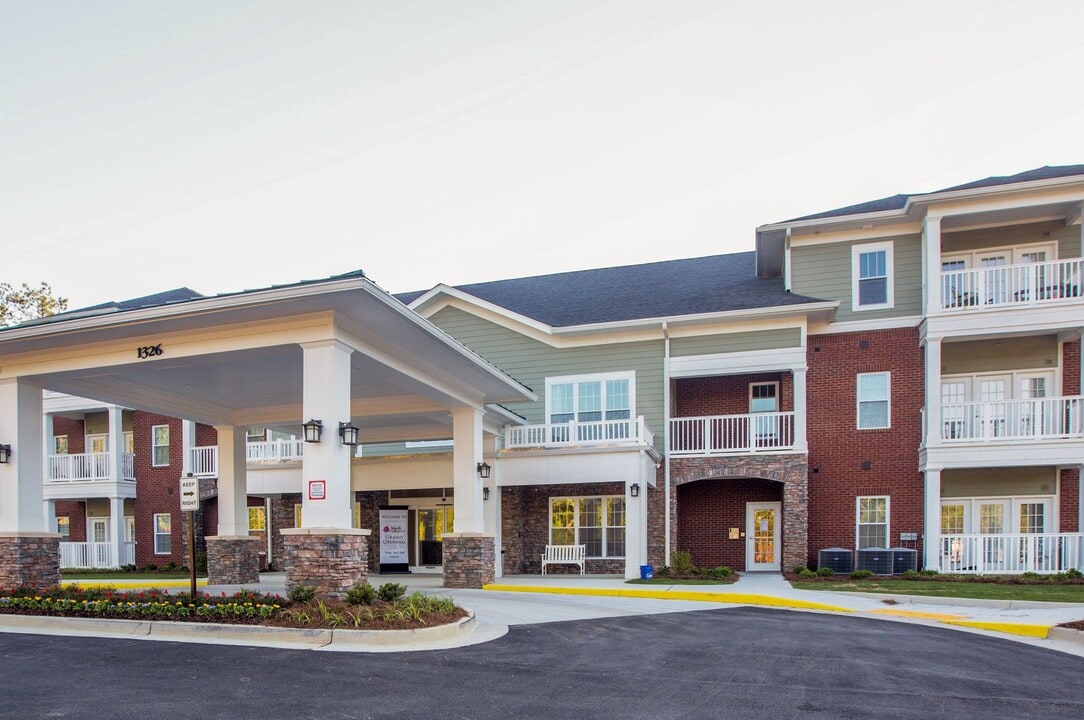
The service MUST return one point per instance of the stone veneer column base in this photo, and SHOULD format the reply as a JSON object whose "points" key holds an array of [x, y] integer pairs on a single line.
{"points": [[233, 560], [332, 560], [469, 560], [29, 558]]}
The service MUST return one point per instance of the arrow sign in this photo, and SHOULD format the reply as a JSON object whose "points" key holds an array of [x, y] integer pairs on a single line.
{"points": [[189, 494]]}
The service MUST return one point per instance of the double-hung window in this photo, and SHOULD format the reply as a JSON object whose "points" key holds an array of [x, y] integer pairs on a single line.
{"points": [[595, 522], [874, 403], [872, 522], [160, 445], [163, 529], [591, 398], [871, 276]]}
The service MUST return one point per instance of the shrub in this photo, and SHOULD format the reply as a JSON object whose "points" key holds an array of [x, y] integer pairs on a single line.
{"points": [[302, 593], [723, 571], [861, 575], [1031, 576], [201, 562], [664, 570], [681, 562], [799, 569], [807, 573], [1074, 573], [911, 574], [825, 572], [150, 567], [361, 594], [390, 592], [927, 573]]}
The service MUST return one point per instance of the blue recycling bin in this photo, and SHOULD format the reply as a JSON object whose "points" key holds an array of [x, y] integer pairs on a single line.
{"points": [[647, 572]]}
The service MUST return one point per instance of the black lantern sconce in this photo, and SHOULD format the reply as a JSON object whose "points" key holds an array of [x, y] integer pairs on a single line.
{"points": [[485, 494], [348, 433], [313, 430], [634, 489], [484, 470], [5, 454]]}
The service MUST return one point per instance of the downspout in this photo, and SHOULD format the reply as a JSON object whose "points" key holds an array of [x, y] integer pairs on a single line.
{"points": [[666, 434]]}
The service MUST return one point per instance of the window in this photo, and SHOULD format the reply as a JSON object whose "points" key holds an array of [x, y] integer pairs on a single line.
{"points": [[871, 276], [129, 442], [160, 445], [257, 518], [60, 444], [64, 527], [590, 398], [873, 400], [596, 522], [872, 522], [163, 524]]}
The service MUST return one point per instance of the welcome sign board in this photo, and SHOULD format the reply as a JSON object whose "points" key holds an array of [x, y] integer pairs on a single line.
{"points": [[393, 539]]}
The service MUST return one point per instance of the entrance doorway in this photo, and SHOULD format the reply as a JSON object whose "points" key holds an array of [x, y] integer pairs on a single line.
{"points": [[762, 536], [426, 536]]}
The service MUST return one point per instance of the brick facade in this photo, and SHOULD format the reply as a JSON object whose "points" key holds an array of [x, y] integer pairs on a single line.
{"points": [[232, 560], [726, 394], [331, 561], [158, 491], [838, 451], [469, 560], [29, 559]]}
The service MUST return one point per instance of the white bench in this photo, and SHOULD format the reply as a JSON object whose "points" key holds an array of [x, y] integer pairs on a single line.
{"points": [[564, 555]]}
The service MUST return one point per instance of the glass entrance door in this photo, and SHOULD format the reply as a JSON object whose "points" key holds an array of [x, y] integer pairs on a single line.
{"points": [[762, 536], [430, 525]]}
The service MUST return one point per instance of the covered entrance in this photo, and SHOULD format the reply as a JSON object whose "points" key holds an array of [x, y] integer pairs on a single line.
{"points": [[735, 522], [762, 548], [428, 526]]}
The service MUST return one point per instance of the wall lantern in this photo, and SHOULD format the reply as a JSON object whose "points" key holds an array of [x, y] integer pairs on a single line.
{"points": [[313, 430], [5, 454], [348, 433], [483, 470], [634, 489], [485, 494]]}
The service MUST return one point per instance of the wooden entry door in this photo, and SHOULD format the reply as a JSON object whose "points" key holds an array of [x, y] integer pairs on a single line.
{"points": [[762, 547]]}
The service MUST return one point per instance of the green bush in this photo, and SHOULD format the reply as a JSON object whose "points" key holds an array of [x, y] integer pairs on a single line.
{"points": [[664, 570], [390, 592], [825, 572], [1074, 573], [807, 573], [722, 571], [361, 594], [799, 569], [302, 593], [927, 573], [911, 574], [201, 563], [681, 562], [861, 574]]}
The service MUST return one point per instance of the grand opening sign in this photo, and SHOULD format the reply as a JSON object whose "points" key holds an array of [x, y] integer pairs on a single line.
{"points": [[394, 556]]}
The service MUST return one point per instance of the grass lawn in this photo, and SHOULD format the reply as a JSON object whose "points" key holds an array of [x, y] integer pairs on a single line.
{"points": [[982, 590], [683, 581]]}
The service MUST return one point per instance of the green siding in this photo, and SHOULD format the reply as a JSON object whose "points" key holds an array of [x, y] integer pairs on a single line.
{"points": [[998, 482], [824, 271], [531, 362], [736, 342], [1067, 238], [1022, 353]]}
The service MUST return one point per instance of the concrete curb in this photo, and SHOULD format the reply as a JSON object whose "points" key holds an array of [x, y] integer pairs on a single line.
{"points": [[1061, 634], [716, 597], [1024, 629], [315, 639], [960, 602]]}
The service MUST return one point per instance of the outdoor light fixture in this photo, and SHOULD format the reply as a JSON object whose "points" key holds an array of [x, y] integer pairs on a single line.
{"points": [[634, 489], [349, 433], [483, 470], [485, 494], [313, 430], [5, 454]]}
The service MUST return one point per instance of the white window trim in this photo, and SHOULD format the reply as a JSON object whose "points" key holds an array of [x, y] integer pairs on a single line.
{"points": [[890, 290], [1012, 524], [969, 256], [629, 375], [154, 448], [972, 380], [778, 394], [56, 449], [858, 402], [576, 522], [858, 518], [157, 534]]}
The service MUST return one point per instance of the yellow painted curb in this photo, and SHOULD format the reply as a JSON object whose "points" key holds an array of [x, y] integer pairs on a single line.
{"points": [[943, 617], [126, 584], [719, 597], [1036, 631]]}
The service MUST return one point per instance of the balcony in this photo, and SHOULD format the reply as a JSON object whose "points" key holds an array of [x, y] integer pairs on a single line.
{"points": [[89, 467], [203, 460], [1036, 419], [748, 434], [1007, 554], [600, 433], [1007, 286], [94, 555]]}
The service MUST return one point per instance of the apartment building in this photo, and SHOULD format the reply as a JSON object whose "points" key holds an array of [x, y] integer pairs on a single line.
{"points": [[902, 373]]}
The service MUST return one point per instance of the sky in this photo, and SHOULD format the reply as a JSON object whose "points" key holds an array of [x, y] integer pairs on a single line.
{"points": [[232, 145]]}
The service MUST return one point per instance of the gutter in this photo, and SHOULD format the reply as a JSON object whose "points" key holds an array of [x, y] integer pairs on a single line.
{"points": [[666, 435]]}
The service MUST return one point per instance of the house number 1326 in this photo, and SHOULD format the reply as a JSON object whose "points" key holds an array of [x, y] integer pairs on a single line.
{"points": [[149, 351]]}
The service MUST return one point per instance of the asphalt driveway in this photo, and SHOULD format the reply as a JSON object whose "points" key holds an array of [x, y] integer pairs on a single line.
{"points": [[726, 663]]}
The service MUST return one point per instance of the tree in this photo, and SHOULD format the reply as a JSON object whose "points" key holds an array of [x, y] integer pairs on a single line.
{"points": [[19, 304]]}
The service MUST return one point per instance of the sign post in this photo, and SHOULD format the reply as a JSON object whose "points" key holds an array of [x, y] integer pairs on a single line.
{"points": [[189, 505]]}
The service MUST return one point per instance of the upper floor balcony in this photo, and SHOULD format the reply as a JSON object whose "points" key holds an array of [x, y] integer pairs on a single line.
{"points": [[203, 460], [995, 286], [89, 467], [747, 434], [590, 434]]}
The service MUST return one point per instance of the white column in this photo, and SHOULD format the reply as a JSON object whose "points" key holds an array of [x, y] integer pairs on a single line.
{"points": [[21, 477], [931, 265], [466, 454], [116, 444], [492, 507], [800, 442], [232, 483], [932, 536], [933, 392], [636, 523], [325, 467], [49, 507], [116, 528], [188, 441]]}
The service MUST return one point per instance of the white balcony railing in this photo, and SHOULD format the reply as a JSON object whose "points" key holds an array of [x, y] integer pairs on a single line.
{"points": [[1012, 554], [1054, 418], [90, 555], [579, 434], [203, 461], [89, 467], [732, 434], [275, 451], [1012, 285]]}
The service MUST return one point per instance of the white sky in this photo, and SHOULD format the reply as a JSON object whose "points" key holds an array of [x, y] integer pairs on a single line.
{"points": [[230, 145]]}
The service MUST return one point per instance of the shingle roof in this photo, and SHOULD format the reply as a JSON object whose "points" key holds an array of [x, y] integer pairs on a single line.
{"points": [[897, 202], [717, 283]]}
